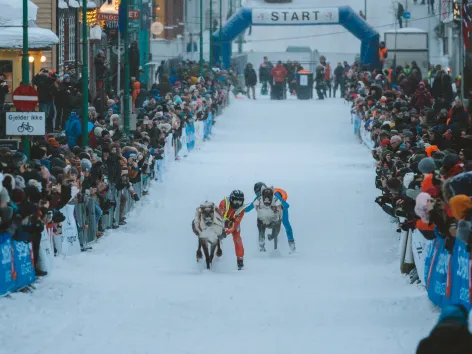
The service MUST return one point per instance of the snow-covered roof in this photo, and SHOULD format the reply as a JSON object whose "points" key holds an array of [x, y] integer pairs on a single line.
{"points": [[11, 36], [74, 3], [62, 4], [406, 30], [90, 4], [12, 13], [38, 38], [108, 9]]}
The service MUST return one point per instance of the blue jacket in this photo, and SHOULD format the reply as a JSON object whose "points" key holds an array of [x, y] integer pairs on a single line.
{"points": [[73, 130]]}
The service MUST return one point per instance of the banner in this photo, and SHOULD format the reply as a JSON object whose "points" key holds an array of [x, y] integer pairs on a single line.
{"points": [[46, 251], [6, 267], [67, 243], [190, 136], [296, 16], [447, 274], [23, 264]]}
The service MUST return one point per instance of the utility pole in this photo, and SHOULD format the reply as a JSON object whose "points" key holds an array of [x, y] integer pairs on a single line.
{"points": [[221, 34], [201, 37], [210, 60], [240, 39], [85, 78], [25, 69], [126, 85]]}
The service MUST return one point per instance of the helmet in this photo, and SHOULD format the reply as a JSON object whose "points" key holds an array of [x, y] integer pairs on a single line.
{"points": [[236, 199], [258, 187]]}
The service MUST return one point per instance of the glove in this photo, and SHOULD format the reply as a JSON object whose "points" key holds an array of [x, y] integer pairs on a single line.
{"points": [[135, 197]]}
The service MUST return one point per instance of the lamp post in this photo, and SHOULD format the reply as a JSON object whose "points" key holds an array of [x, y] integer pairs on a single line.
{"points": [[210, 60], [201, 37], [25, 69], [85, 78], [126, 84], [221, 33]]}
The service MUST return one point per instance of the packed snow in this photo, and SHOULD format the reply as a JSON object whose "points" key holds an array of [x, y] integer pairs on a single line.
{"points": [[141, 291]]}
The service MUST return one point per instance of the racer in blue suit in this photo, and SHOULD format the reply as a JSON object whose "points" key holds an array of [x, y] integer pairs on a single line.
{"points": [[282, 196]]}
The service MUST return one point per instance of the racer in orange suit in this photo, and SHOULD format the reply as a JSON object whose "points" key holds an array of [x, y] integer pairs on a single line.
{"points": [[232, 209]]}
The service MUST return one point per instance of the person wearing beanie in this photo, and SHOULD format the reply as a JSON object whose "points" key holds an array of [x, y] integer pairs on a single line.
{"points": [[450, 335], [427, 165]]}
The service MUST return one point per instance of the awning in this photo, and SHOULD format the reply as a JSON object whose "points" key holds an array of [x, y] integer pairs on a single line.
{"points": [[109, 8], [38, 38], [74, 3], [62, 4]]}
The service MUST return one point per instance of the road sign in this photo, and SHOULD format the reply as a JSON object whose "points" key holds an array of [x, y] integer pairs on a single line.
{"points": [[26, 123], [25, 98], [407, 15]]}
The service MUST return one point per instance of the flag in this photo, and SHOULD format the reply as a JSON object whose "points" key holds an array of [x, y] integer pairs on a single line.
{"points": [[466, 24]]}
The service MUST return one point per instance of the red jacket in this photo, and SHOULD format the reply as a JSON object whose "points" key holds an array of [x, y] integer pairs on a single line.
{"points": [[231, 216], [279, 73]]}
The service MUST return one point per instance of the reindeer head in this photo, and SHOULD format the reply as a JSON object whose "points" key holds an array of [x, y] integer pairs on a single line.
{"points": [[207, 213], [267, 195]]}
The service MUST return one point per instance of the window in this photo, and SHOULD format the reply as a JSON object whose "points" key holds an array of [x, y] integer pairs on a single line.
{"points": [[6, 68], [72, 37]]}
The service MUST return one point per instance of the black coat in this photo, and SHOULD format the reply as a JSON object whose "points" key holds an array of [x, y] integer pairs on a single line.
{"points": [[3, 91], [250, 76], [46, 88]]}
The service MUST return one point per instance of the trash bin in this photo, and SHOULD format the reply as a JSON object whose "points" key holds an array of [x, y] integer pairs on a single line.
{"points": [[304, 85]]}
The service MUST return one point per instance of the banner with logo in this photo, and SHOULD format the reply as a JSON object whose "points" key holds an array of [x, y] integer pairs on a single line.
{"points": [[6, 267], [190, 136], [23, 264], [447, 274]]}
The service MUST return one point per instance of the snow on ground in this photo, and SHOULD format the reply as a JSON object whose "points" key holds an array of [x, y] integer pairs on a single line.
{"points": [[140, 290]]}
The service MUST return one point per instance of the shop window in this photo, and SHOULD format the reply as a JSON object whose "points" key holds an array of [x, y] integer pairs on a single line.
{"points": [[6, 68], [62, 40]]}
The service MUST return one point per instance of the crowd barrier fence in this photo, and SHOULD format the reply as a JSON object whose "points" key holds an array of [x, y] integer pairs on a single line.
{"points": [[81, 222], [447, 276]]}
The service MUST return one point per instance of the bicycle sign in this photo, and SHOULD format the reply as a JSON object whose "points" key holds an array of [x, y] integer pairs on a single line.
{"points": [[25, 123]]}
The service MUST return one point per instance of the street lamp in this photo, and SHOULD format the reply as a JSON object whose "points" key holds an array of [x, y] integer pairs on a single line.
{"points": [[201, 37], [43, 58], [31, 59]]}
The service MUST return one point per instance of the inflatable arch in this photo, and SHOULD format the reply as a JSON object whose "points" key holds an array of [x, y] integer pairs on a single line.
{"points": [[340, 15]]}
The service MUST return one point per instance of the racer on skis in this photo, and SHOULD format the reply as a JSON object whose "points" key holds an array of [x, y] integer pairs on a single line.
{"points": [[232, 210], [282, 196]]}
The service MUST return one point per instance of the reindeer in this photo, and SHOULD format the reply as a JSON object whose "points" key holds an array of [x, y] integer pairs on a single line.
{"points": [[269, 216], [208, 225]]}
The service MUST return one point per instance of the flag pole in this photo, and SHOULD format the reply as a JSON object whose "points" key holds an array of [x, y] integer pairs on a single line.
{"points": [[462, 49]]}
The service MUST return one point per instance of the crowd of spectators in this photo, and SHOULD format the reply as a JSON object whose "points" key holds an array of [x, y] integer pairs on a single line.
{"points": [[107, 172], [422, 141]]}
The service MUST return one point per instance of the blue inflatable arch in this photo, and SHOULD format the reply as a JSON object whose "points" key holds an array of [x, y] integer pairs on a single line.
{"points": [[340, 15]]}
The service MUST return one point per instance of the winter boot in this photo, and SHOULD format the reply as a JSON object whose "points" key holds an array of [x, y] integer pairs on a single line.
{"points": [[240, 264], [291, 244]]}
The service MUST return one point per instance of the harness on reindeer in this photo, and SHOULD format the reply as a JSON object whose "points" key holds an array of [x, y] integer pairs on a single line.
{"points": [[209, 222]]}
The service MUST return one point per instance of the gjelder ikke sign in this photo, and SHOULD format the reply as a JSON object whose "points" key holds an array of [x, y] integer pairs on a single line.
{"points": [[299, 16]]}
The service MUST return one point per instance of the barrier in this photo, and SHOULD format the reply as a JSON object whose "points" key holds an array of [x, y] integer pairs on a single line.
{"points": [[446, 275], [80, 226]]}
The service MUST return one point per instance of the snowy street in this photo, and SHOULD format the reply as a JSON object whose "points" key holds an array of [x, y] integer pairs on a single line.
{"points": [[141, 291]]}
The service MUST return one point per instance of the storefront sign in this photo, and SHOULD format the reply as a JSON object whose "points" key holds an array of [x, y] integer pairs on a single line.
{"points": [[133, 14], [107, 17], [25, 123], [295, 16]]}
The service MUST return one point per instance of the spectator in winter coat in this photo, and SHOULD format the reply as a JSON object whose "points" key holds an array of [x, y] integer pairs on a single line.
{"points": [[250, 78], [73, 129], [46, 87], [339, 80], [459, 118], [63, 101], [279, 73], [421, 98]]}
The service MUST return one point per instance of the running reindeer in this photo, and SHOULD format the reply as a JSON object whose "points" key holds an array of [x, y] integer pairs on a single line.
{"points": [[269, 216], [208, 225]]}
